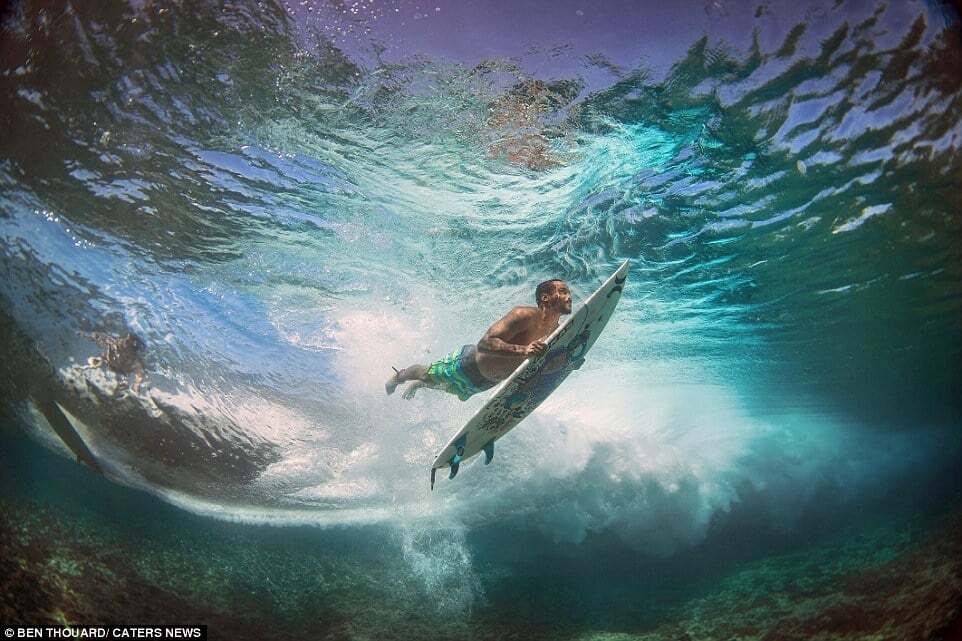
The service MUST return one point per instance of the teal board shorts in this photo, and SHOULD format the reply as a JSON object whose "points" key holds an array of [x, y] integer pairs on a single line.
{"points": [[458, 373]]}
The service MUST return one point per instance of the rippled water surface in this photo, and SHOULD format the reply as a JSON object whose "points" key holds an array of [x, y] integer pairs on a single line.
{"points": [[284, 200]]}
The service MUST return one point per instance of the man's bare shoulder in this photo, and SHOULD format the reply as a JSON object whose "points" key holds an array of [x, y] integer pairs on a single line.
{"points": [[523, 312]]}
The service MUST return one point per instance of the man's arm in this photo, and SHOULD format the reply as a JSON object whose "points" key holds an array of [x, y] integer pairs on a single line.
{"points": [[497, 340]]}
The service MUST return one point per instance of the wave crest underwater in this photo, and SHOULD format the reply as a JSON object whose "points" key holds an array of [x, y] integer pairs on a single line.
{"points": [[284, 203]]}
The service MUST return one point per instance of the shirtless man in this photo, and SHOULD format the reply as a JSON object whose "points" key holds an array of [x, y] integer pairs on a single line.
{"points": [[123, 355], [475, 368]]}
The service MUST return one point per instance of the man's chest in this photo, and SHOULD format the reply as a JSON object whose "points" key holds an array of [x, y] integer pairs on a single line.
{"points": [[534, 332]]}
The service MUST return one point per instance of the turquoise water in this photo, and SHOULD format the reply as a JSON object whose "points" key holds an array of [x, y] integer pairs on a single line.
{"points": [[285, 201]]}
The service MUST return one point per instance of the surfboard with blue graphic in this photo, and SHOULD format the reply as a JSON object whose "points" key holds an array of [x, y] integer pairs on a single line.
{"points": [[534, 379]]}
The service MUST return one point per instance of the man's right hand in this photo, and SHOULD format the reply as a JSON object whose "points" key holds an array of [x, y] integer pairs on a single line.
{"points": [[535, 348]]}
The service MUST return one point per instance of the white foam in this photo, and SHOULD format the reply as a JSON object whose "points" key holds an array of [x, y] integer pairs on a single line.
{"points": [[439, 557]]}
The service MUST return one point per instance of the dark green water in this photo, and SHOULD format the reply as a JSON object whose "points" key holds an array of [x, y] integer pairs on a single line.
{"points": [[100, 553]]}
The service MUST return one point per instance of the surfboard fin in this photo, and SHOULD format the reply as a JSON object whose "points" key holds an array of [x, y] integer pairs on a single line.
{"points": [[459, 446], [434, 471], [488, 452]]}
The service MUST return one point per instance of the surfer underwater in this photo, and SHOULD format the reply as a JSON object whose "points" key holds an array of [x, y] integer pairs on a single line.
{"points": [[123, 355], [475, 368]]}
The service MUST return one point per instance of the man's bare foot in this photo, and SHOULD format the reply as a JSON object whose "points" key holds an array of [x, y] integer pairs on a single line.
{"points": [[411, 390], [392, 382]]}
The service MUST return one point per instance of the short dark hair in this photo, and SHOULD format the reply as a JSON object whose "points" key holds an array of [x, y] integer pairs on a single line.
{"points": [[545, 288]]}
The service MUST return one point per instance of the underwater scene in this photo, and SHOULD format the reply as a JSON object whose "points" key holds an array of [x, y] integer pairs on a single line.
{"points": [[222, 224]]}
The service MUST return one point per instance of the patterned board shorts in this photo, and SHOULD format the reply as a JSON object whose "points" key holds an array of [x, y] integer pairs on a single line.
{"points": [[458, 373]]}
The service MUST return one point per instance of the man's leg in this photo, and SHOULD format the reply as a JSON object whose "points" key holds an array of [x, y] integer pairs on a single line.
{"points": [[412, 389], [138, 373], [412, 373]]}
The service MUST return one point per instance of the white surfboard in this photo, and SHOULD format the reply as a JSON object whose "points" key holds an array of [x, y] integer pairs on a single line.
{"points": [[535, 378]]}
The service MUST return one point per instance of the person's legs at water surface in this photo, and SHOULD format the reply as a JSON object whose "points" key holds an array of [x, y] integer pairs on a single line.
{"points": [[417, 373], [457, 373]]}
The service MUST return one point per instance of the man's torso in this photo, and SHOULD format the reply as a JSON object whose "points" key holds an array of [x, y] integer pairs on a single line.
{"points": [[497, 367]]}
